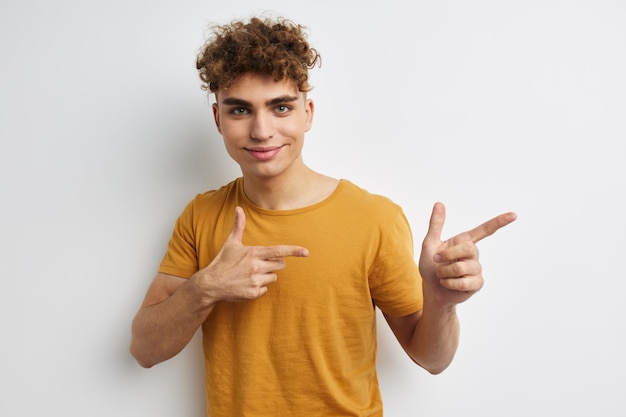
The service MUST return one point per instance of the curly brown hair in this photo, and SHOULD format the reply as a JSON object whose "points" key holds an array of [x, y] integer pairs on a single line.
{"points": [[276, 48]]}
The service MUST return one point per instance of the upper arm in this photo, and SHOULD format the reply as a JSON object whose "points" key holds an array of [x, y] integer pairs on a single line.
{"points": [[161, 288]]}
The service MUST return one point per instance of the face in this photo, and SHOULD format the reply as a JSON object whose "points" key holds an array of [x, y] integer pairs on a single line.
{"points": [[263, 123]]}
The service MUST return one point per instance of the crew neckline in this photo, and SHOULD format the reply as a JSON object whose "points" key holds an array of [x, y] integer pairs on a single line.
{"points": [[240, 191]]}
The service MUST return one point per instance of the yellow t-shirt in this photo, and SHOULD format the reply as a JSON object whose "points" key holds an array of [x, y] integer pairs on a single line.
{"points": [[308, 346]]}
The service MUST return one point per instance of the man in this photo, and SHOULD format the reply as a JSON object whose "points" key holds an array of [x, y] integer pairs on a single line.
{"points": [[284, 267]]}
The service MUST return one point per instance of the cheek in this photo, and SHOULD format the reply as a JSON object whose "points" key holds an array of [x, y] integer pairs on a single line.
{"points": [[230, 137], [232, 150], [296, 128], [234, 131]]}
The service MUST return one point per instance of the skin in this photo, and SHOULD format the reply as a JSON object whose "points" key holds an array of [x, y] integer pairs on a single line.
{"points": [[451, 274], [263, 123]]}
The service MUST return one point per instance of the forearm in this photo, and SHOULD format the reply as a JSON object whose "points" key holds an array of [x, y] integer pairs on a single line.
{"points": [[162, 330], [435, 338]]}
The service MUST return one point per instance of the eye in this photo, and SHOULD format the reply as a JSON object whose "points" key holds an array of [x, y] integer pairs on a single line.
{"points": [[238, 111], [282, 108]]}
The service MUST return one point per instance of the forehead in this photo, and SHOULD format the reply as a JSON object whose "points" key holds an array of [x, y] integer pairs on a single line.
{"points": [[255, 87]]}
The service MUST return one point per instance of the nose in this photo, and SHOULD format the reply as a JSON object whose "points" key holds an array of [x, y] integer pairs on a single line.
{"points": [[262, 127]]}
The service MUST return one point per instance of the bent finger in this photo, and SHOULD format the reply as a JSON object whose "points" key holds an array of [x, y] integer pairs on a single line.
{"points": [[459, 269], [467, 284], [464, 249]]}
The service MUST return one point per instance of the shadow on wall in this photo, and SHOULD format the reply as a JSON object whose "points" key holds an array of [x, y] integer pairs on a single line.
{"points": [[192, 155], [181, 155]]}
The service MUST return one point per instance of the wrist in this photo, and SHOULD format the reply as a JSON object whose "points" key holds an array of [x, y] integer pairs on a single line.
{"points": [[199, 291], [437, 298]]}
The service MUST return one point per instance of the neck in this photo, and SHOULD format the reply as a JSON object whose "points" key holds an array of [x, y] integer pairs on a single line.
{"points": [[288, 193]]}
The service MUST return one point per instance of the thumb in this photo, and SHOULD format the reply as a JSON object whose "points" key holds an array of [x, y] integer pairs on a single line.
{"points": [[236, 234], [435, 227]]}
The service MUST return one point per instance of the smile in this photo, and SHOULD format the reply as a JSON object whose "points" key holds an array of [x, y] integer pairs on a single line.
{"points": [[264, 154]]}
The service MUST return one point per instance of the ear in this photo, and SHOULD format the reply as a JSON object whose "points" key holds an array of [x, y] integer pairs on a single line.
{"points": [[309, 109], [216, 116]]}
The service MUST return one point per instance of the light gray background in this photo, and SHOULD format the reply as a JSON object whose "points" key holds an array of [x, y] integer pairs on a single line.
{"points": [[488, 106]]}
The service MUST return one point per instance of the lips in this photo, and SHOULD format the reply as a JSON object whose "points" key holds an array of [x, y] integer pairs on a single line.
{"points": [[264, 154]]}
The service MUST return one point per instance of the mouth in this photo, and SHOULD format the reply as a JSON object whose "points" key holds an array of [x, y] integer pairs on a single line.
{"points": [[264, 154]]}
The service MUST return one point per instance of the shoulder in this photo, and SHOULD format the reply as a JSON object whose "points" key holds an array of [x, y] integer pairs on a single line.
{"points": [[209, 201], [220, 194], [371, 203]]}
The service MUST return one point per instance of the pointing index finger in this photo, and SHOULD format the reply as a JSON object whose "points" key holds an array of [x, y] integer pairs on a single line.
{"points": [[282, 251], [491, 226]]}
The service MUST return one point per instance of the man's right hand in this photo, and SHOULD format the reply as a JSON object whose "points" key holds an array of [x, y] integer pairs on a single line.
{"points": [[240, 272]]}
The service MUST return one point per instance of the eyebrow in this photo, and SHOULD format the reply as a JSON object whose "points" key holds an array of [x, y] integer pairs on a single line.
{"points": [[233, 101]]}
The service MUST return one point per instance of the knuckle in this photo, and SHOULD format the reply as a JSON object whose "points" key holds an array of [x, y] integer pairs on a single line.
{"points": [[254, 293], [479, 283], [472, 249], [261, 292], [458, 269], [256, 281], [266, 252], [255, 268], [255, 251], [275, 252], [440, 273]]}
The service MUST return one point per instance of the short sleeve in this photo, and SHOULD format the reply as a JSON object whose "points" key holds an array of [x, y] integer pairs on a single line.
{"points": [[181, 256], [395, 281]]}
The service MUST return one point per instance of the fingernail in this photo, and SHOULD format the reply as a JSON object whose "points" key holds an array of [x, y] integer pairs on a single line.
{"points": [[437, 258]]}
